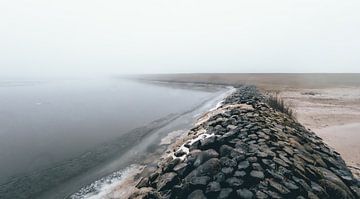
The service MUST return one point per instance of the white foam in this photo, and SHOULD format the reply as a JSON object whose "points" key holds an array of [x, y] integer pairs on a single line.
{"points": [[101, 188]]}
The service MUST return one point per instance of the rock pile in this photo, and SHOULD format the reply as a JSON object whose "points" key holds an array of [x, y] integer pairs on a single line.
{"points": [[251, 151]]}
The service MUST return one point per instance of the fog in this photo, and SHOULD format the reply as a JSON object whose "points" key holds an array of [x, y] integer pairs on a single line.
{"points": [[47, 37]]}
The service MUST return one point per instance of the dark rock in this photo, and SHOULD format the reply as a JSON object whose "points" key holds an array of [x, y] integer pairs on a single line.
{"points": [[153, 176], [245, 193], [227, 162], [170, 165], [291, 186], [194, 145], [333, 183], [219, 177], [268, 163], [302, 184], [239, 174], [237, 154], [234, 182], [225, 150], [252, 159], [356, 190], [166, 180], [318, 190], [199, 182], [197, 194], [144, 182], [243, 165], [204, 156], [209, 168], [207, 143], [227, 171], [219, 129], [181, 169], [179, 153], [261, 154], [213, 187], [256, 175], [285, 159], [231, 127], [280, 162], [311, 195], [334, 190], [237, 157], [256, 166], [278, 187], [192, 156], [273, 195], [261, 195], [180, 190], [225, 193]]}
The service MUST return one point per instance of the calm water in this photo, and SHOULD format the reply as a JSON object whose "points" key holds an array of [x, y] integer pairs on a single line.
{"points": [[56, 136]]}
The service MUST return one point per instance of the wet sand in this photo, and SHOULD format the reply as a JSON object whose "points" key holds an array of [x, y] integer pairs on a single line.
{"points": [[333, 114]]}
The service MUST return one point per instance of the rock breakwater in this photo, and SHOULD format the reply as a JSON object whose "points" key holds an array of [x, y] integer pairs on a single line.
{"points": [[246, 149]]}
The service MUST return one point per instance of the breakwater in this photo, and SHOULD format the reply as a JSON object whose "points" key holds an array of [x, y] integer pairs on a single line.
{"points": [[247, 149]]}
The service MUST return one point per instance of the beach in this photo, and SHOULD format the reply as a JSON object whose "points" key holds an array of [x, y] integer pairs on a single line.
{"points": [[333, 114]]}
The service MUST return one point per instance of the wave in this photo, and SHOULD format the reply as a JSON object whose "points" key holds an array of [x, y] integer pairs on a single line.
{"points": [[101, 188]]}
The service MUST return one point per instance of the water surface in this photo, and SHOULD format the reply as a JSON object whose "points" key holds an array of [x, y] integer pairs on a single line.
{"points": [[55, 133]]}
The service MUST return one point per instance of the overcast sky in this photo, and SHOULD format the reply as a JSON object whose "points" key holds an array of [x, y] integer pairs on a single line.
{"points": [[170, 36]]}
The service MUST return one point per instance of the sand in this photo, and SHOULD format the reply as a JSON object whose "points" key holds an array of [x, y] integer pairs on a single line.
{"points": [[334, 115], [328, 104]]}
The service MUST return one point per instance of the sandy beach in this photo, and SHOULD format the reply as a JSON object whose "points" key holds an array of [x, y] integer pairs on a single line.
{"points": [[334, 115]]}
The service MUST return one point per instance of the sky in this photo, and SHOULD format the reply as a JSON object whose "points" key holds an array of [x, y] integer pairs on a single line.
{"points": [[47, 37]]}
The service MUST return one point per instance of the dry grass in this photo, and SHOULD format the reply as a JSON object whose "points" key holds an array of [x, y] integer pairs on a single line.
{"points": [[278, 104]]}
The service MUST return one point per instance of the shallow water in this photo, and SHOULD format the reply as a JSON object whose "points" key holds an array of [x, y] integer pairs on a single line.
{"points": [[56, 136]]}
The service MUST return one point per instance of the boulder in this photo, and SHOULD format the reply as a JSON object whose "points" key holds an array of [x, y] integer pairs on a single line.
{"points": [[244, 193]]}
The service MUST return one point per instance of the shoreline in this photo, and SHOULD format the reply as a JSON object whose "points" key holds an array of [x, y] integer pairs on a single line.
{"points": [[70, 175], [197, 138], [137, 168]]}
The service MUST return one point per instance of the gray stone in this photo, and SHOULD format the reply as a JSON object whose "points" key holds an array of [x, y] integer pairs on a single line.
{"points": [[225, 150], [209, 168], [261, 195], [220, 177], [245, 193], [256, 166], [225, 193], [197, 194], [239, 174], [199, 182], [213, 187], [243, 165], [278, 187], [234, 182], [227, 171], [257, 175], [181, 168], [204, 156], [166, 180]]}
